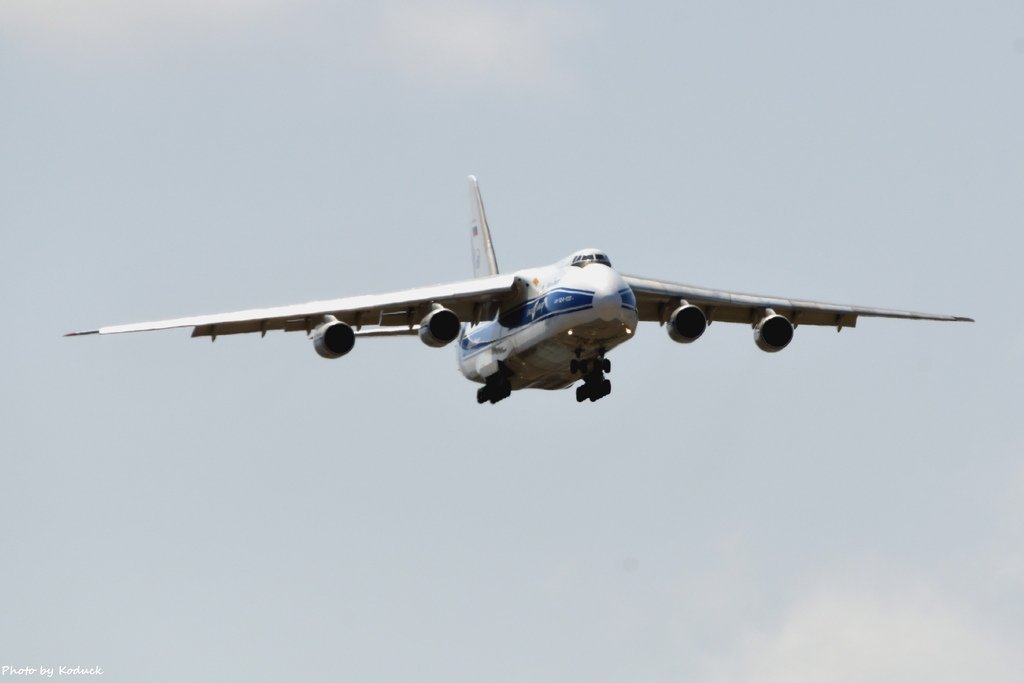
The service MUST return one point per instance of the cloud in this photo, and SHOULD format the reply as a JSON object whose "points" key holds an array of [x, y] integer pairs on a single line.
{"points": [[436, 42], [102, 27], [849, 635], [1006, 555], [460, 42]]}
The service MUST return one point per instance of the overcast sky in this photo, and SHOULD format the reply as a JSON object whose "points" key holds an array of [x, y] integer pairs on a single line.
{"points": [[850, 509]]}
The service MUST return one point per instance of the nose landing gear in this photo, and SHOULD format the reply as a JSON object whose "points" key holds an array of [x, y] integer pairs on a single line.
{"points": [[594, 385]]}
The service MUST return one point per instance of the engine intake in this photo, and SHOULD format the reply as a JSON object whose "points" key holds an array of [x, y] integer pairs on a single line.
{"points": [[687, 324], [440, 327], [333, 338], [773, 333]]}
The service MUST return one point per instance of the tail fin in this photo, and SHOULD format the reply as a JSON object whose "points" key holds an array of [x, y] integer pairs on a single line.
{"points": [[484, 263]]}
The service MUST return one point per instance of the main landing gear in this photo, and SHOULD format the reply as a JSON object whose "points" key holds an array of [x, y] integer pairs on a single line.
{"points": [[497, 386], [594, 385]]}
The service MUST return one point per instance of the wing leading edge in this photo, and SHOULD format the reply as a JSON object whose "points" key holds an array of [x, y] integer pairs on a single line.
{"points": [[471, 301], [656, 300]]}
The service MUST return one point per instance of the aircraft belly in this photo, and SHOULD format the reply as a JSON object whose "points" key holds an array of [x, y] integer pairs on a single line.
{"points": [[539, 354], [543, 366], [540, 357]]}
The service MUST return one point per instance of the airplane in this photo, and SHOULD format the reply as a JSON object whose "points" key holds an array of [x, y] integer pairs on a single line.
{"points": [[542, 328]]}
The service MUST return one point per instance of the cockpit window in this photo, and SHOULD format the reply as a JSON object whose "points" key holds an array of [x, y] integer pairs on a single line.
{"points": [[586, 259]]}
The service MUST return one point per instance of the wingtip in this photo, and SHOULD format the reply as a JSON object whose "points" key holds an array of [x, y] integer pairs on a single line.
{"points": [[81, 334]]}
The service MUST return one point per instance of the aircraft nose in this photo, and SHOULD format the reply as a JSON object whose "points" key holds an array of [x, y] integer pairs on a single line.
{"points": [[606, 284]]}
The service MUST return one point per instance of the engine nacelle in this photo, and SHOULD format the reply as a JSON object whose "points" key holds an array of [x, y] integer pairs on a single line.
{"points": [[333, 338], [773, 333], [687, 324], [440, 327]]}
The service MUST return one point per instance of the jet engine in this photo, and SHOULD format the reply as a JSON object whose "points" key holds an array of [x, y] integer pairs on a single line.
{"points": [[333, 338], [773, 333], [440, 327], [687, 323]]}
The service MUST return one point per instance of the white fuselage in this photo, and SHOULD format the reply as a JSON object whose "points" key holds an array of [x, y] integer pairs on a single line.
{"points": [[565, 312]]}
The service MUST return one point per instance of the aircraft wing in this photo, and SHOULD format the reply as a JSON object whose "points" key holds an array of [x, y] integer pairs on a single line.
{"points": [[656, 299], [392, 313]]}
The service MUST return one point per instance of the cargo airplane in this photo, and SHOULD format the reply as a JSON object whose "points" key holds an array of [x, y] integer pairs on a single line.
{"points": [[542, 328]]}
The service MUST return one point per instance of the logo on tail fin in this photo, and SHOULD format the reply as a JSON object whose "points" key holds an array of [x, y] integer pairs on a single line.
{"points": [[484, 262]]}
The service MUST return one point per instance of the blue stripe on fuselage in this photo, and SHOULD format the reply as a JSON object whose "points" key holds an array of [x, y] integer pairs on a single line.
{"points": [[557, 301], [628, 298]]}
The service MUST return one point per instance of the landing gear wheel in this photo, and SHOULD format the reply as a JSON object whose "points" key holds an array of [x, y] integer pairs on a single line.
{"points": [[501, 391], [594, 386], [497, 386]]}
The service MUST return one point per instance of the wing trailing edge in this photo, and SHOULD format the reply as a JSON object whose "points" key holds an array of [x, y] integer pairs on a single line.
{"points": [[471, 300]]}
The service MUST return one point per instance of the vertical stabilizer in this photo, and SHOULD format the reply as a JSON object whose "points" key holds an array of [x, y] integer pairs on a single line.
{"points": [[484, 263]]}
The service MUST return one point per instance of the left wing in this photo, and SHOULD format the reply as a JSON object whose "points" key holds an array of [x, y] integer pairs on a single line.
{"points": [[656, 299], [392, 313]]}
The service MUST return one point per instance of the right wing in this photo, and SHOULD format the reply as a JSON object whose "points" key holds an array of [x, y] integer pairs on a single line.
{"points": [[392, 313], [657, 298]]}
